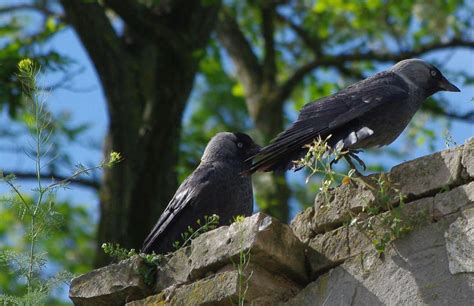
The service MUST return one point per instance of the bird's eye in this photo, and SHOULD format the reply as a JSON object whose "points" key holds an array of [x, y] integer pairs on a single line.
{"points": [[433, 73], [240, 145]]}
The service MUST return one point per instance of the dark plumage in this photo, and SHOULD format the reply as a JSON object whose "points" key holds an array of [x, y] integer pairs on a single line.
{"points": [[215, 187], [372, 112]]}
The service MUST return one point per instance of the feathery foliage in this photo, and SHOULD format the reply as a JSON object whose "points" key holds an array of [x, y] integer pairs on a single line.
{"points": [[39, 211]]}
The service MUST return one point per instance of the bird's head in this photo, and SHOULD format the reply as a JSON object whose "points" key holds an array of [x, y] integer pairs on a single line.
{"points": [[423, 75], [230, 146]]}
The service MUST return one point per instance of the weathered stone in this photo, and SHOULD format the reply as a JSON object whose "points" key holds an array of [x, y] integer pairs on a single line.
{"points": [[337, 207], [413, 272], [324, 244], [153, 300], [452, 201], [254, 284], [303, 226], [112, 285], [219, 289], [428, 174], [173, 270], [460, 243], [272, 243], [334, 247], [468, 157]]}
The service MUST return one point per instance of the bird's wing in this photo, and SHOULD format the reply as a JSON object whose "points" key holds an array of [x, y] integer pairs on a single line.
{"points": [[186, 195], [322, 117]]}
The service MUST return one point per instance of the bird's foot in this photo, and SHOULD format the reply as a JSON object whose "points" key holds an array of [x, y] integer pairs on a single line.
{"points": [[334, 161], [353, 154]]}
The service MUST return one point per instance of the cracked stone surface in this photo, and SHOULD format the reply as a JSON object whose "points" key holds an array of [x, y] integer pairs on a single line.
{"points": [[460, 243], [412, 272], [327, 256], [113, 284], [428, 174], [454, 200], [468, 157], [348, 241], [223, 288], [272, 243]]}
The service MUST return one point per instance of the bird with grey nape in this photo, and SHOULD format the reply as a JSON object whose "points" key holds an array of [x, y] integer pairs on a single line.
{"points": [[372, 112], [214, 187]]}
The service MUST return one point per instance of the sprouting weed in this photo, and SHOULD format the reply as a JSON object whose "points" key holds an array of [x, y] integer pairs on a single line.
{"points": [[39, 211], [117, 252], [319, 160], [210, 223]]}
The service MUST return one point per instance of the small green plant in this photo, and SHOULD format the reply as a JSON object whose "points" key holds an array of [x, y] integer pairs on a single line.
{"points": [[396, 222], [39, 211], [210, 223], [114, 250], [319, 160], [449, 139], [242, 265], [382, 229]]}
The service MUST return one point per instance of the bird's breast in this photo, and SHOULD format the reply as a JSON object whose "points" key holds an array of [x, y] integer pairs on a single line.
{"points": [[382, 125]]}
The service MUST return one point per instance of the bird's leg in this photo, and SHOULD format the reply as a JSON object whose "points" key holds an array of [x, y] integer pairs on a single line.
{"points": [[352, 155], [334, 161], [351, 164]]}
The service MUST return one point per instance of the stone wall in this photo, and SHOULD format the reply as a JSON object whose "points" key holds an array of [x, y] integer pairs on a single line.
{"points": [[330, 254]]}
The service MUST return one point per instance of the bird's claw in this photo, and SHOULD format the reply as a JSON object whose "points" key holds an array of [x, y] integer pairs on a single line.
{"points": [[353, 155], [334, 161]]}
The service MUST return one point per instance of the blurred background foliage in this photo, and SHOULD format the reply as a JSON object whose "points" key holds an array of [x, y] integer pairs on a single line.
{"points": [[263, 60]]}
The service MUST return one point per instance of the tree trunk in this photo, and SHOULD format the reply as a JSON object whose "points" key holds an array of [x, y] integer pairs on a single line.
{"points": [[272, 191], [263, 98], [147, 74]]}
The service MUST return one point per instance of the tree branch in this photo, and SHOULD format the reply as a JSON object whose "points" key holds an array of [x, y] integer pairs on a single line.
{"points": [[337, 60], [141, 19], [23, 175], [105, 47], [268, 28], [132, 12], [311, 42], [468, 116], [27, 7], [246, 62]]}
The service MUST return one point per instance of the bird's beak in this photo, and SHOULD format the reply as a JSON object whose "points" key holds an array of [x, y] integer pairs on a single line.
{"points": [[255, 149], [445, 85], [252, 151]]}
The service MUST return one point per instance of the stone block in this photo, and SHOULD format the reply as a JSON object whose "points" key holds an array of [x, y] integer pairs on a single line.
{"points": [[460, 243], [303, 226], [174, 269], [272, 245], [452, 201], [115, 284], [345, 201], [255, 285], [152, 300], [338, 245], [428, 174], [468, 158], [412, 272]]}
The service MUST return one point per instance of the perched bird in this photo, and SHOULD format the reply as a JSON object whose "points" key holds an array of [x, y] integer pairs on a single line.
{"points": [[372, 112], [214, 187]]}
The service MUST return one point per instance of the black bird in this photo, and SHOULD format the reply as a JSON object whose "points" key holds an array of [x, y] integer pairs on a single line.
{"points": [[372, 112], [214, 187]]}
